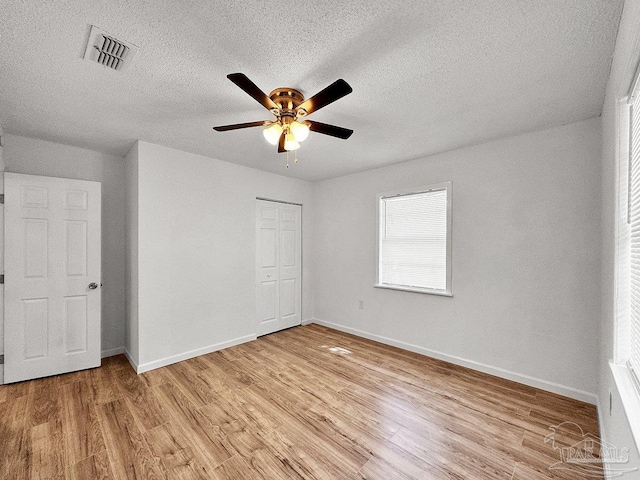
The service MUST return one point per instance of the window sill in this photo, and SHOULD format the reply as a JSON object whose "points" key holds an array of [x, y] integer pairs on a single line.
{"points": [[630, 398], [442, 293]]}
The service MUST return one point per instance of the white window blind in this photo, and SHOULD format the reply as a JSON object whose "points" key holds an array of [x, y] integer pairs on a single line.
{"points": [[634, 221], [413, 240]]}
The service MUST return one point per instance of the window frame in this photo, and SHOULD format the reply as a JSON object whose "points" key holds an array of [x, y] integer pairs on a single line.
{"points": [[625, 377], [448, 187]]}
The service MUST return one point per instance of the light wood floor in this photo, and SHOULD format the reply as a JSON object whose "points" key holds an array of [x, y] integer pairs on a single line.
{"points": [[290, 405]]}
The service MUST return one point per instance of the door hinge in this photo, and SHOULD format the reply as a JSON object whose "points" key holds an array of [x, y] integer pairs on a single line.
{"points": [[2, 198], [2, 359], [2, 279]]}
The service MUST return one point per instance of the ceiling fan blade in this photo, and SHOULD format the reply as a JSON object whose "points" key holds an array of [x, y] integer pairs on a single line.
{"points": [[281, 143], [327, 129], [241, 80], [333, 92], [236, 126]]}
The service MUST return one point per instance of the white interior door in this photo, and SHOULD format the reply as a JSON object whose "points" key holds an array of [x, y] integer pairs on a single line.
{"points": [[52, 276], [278, 266]]}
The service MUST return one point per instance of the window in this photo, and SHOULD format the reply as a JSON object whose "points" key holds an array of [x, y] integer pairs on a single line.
{"points": [[414, 240], [626, 363]]}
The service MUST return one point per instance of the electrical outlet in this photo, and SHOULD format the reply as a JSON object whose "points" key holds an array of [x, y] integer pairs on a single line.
{"points": [[361, 306]]}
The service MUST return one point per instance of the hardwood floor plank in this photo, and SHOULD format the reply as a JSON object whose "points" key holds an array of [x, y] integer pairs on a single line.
{"points": [[245, 441], [198, 363], [391, 461], [116, 362], [223, 417], [79, 376], [155, 378], [141, 401], [103, 386], [15, 440], [445, 415], [464, 460], [236, 468], [251, 409], [308, 456], [270, 466], [212, 447], [186, 378], [96, 467], [46, 452], [524, 472], [80, 425], [14, 391], [173, 451], [129, 455], [43, 403]]}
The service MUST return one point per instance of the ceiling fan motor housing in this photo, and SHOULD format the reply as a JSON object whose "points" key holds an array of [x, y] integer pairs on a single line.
{"points": [[288, 100]]}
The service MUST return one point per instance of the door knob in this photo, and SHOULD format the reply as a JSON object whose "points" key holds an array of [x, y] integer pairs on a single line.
{"points": [[93, 286]]}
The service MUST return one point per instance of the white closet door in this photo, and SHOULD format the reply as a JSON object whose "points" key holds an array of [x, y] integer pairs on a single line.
{"points": [[278, 266], [52, 276]]}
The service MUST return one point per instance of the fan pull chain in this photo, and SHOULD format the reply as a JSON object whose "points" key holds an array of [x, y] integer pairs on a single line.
{"points": [[287, 158], [295, 156]]}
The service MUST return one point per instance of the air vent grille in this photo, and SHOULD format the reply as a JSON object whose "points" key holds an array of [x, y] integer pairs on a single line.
{"points": [[111, 53], [108, 51]]}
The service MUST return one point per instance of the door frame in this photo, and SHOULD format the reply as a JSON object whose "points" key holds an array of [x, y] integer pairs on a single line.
{"points": [[265, 199]]}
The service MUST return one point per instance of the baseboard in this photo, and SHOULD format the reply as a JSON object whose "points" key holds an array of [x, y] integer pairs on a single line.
{"points": [[112, 352], [163, 362], [481, 367], [133, 364], [308, 321], [603, 440]]}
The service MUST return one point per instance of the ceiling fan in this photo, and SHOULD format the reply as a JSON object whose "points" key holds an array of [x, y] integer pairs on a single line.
{"points": [[290, 108]]}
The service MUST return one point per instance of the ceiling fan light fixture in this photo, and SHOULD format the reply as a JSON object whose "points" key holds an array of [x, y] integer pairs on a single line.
{"points": [[272, 133], [290, 142], [299, 130]]}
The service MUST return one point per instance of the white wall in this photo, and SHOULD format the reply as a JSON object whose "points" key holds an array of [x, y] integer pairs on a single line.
{"points": [[39, 157], [526, 268], [131, 255], [614, 425], [196, 251]]}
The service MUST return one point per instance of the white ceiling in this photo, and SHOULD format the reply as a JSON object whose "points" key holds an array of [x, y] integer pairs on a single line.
{"points": [[427, 75]]}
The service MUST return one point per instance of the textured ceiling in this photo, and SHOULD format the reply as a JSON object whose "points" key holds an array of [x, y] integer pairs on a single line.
{"points": [[427, 75]]}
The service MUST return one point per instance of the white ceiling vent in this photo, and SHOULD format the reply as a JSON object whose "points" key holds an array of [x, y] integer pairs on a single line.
{"points": [[109, 51]]}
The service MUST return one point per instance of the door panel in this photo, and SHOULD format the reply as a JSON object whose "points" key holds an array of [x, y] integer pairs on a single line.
{"points": [[288, 297], [269, 247], [52, 254], [35, 197], [269, 301], [35, 247], [278, 266], [76, 323], [36, 313], [75, 247], [288, 248], [290, 266]]}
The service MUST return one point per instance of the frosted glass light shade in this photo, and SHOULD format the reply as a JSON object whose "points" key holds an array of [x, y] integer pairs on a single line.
{"points": [[272, 133], [300, 131], [290, 142]]}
